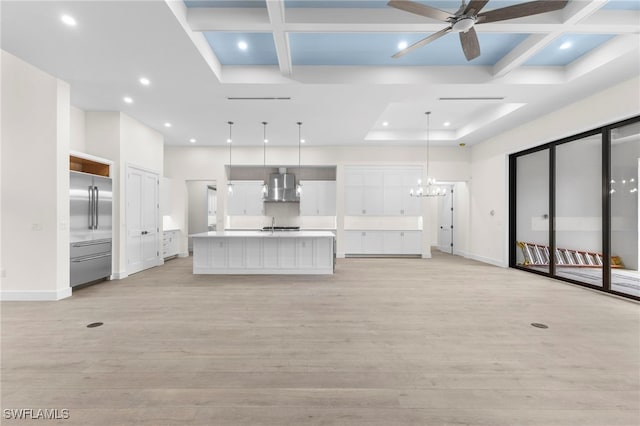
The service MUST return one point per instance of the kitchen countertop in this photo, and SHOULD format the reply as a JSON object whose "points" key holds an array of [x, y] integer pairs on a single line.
{"points": [[265, 234]]}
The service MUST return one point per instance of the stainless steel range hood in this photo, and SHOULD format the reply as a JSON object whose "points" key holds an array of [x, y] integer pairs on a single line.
{"points": [[282, 188]]}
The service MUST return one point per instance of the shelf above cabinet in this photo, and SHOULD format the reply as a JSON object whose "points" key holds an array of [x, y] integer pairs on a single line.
{"points": [[84, 165]]}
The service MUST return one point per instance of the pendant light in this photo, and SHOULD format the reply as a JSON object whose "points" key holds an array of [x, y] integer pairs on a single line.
{"points": [[431, 189], [265, 186], [299, 185], [229, 185]]}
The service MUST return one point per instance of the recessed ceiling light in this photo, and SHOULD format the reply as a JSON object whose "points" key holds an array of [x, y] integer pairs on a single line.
{"points": [[266, 141], [144, 81], [385, 123], [228, 140], [565, 45], [242, 45], [167, 124], [302, 141], [127, 99], [447, 124], [402, 45], [192, 140], [69, 20]]}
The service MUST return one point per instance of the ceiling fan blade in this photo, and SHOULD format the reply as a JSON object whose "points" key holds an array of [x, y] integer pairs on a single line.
{"points": [[475, 6], [520, 10], [420, 9], [470, 44], [422, 42]]}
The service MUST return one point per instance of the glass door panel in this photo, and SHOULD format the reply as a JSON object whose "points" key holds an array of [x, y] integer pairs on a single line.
{"points": [[625, 159], [578, 221], [532, 210]]}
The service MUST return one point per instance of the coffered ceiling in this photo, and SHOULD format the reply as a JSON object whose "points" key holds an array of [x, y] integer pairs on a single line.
{"points": [[325, 63]]}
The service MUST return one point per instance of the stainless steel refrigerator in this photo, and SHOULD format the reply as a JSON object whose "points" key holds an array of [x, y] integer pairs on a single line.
{"points": [[90, 227]]}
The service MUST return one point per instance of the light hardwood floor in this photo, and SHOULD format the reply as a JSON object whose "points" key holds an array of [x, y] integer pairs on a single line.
{"points": [[387, 342]]}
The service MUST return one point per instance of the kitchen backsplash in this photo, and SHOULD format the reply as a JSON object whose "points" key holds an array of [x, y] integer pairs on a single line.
{"points": [[286, 214]]}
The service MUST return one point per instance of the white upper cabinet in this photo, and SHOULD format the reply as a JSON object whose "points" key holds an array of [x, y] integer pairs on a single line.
{"points": [[363, 191], [318, 198], [381, 191], [246, 199]]}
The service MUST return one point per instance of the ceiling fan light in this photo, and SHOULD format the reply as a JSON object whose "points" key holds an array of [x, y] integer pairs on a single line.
{"points": [[463, 25]]}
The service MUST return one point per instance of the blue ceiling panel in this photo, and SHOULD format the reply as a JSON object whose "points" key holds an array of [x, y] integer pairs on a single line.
{"points": [[622, 5], [377, 48], [580, 44], [261, 49], [225, 3]]}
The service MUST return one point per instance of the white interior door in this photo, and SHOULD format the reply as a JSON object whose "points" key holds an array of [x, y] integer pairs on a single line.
{"points": [[445, 228], [149, 214], [142, 212]]}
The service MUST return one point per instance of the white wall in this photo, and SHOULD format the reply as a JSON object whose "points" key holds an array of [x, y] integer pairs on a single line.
{"points": [[198, 206], [78, 137], [489, 165], [35, 161], [207, 163]]}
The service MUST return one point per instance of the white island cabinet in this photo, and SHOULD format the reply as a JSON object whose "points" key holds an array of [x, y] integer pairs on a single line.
{"points": [[264, 252]]}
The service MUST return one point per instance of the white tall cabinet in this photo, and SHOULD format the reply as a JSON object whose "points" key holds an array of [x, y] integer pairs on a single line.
{"points": [[318, 198], [383, 192]]}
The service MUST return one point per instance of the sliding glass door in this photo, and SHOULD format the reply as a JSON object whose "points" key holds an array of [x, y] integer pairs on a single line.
{"points": [[532, 210], [578, 204], [574, 209], [623, 189]]}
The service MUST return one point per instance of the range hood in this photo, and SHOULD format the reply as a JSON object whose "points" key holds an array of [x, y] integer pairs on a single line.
{"points": [[282, 188]]}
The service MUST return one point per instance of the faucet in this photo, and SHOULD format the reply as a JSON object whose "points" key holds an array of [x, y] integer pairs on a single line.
{"points": [[273, 223]]}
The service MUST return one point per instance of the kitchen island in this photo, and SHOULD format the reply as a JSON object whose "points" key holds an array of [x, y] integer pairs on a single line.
{"points": [[264, 252]]}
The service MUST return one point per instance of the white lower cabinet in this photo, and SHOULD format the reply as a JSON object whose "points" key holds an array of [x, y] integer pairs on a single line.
{"points": [[383, 242], [273, 255], [170, 243]]}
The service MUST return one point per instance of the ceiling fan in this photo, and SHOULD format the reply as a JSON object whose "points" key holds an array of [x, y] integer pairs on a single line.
{"points": [[468, 15]]}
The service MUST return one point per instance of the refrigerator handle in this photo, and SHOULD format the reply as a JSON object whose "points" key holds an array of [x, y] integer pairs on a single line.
{"points": [[96, 204], [90, 207]]}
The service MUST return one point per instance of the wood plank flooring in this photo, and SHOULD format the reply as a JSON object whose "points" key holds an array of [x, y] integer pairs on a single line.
{"points": [[444, 341]]}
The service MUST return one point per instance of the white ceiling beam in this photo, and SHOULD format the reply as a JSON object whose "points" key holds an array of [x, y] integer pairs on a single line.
{"points": [[180, 11], [622, 45], [275, 8], [578, 10], [389, 75], [382, 20], [519, 55], [250, 19], [574, 12]]}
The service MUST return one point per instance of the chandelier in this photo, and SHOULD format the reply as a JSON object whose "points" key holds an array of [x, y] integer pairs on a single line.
{"points": [[430, 189]]}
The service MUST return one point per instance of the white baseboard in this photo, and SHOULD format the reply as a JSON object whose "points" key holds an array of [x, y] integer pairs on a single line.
{"points": [[482, 259], [119, 275], [185, 254], [33, 296], [340, 255], [426, 255]]}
